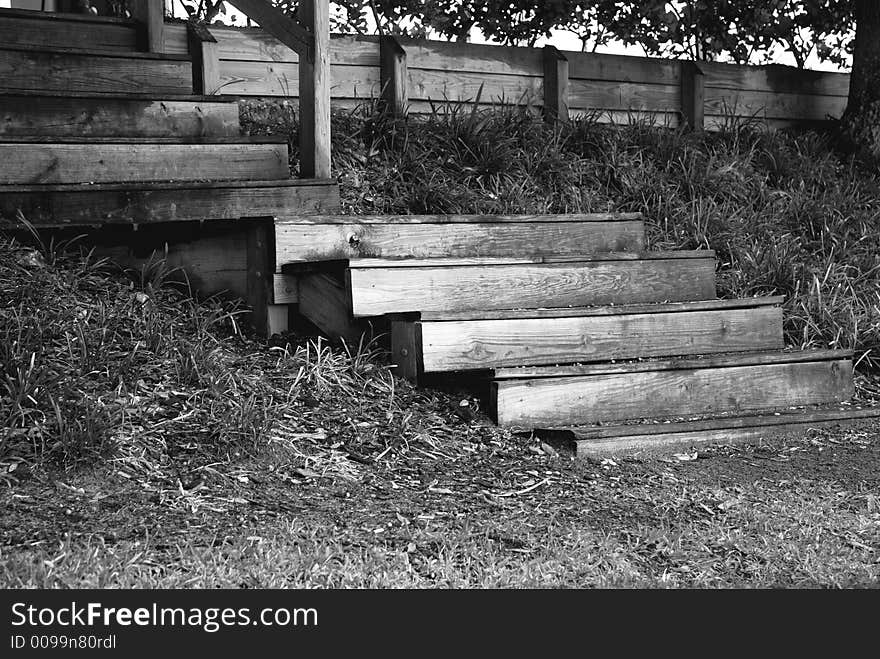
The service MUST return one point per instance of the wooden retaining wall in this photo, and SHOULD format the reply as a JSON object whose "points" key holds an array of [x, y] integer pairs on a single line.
{"points": [[252, 63]]}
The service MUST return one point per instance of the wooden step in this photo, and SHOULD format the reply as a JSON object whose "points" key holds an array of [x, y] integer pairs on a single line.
{"points": [[147, 203], [159, 159], [20, 27], [71, 70], [687, 386], [653, 436], [590, 335], [81, 115], [330, 237], [379, 286]]}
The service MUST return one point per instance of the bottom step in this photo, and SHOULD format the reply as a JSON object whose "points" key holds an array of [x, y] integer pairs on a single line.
{"points": [[585, 394], [650, 437]]}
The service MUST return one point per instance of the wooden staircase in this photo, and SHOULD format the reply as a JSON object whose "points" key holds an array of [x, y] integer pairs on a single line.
{"points": [[96, 131], [575, 330]]}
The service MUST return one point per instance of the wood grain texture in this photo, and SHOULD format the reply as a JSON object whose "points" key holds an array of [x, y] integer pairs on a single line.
{"points": [[485, 344], [473, 58], [627, 439], [406, 350], [106, 163], [259, 274], [463, 219], [286, 29], [316, 242], [555, 92], [615, 397], [285, 289], [35, 30], [154, 203], [458, 261], [693, 96], [623, 68], [438, 86], [324, 302], [77, 72], [604, 95], [673, 364], [773, 105], [314, 91], [576, 312], [376, 291], [393, 68], [252, 44], [59, 116], [775, 78], [205, 59]]}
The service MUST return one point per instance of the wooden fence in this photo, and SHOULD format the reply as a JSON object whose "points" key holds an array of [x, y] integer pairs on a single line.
{"points": [[416, 73]]}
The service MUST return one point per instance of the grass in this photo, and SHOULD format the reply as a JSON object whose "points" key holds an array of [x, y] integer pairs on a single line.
{"points": [[146, 440]]}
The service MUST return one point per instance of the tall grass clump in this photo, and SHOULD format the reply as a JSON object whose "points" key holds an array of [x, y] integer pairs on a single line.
{"points": [[785, 213]]}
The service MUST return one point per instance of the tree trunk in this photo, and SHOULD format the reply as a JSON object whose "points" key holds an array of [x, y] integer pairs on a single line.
{"points": [[861, 121]]}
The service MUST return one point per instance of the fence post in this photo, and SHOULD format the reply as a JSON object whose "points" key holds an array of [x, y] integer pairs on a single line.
{"points": [[314, 92], [692, 96], [555, 85], [392, 67], [151, 14], [205, 59]]}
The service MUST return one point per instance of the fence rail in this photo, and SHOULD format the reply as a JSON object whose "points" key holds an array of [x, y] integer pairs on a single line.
{"points": [[415, 74]]}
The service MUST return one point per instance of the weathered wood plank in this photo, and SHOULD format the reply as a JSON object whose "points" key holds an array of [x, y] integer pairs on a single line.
{"points": [[677, 363], [406, 350], [693, 96], [314, 90], [614, 397], [60, 116], [206, 63], [555, 93], [775, 78], [473, 58], [324, 302], [576, 312], [439, 86], [285, 289], [153, 203], [781, 418], [259, 277], [252, 44], [773, 105], [105, 163], [605, 95], [298, 36], [485, 344], [393, 69], [461, 219], [316, 242], [35, 30], [622, 68], [656, 437], [72, 71], [455, 262], [376, 291]]}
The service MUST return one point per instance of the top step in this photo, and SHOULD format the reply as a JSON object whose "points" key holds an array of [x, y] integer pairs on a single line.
{"points": [[20, 27], [339, 237]]}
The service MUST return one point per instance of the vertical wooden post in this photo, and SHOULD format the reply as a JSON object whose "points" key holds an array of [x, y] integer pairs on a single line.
{"points": [[205, 58], [555, 85], [260, 272], [151, 14], [392, 68], [692, 96], [314, 92]]}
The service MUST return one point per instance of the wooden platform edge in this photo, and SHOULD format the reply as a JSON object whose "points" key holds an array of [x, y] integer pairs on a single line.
{"points": [[626, 440]]}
